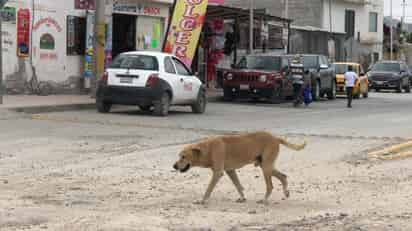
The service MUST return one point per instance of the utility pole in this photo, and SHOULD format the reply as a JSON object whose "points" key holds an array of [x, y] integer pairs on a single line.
{"points": [[403, 15], [1, 58], [286, 2], [391, 28], [2, 3], [251, 25], [99, 45]]}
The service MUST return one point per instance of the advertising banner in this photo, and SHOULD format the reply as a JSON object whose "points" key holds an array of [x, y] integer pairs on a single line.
{"points": [[88, 68], [23, 33], [185, 28], [216, 2]]}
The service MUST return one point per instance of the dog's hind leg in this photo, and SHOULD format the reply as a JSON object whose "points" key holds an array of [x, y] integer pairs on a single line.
{"points": [[235, 179], [283, 179]]}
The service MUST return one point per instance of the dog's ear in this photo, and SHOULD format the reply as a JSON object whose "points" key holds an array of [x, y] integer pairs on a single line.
{"points": [[197, 151]]}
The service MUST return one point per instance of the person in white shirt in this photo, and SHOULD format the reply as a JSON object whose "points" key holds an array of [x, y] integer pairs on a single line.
{"points": [[350, 80]]}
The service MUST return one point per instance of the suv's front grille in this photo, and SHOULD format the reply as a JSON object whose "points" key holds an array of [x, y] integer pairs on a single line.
{"points": [[245, 77]]}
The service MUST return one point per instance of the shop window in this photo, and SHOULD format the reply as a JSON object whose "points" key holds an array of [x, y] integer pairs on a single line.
{"points": [[76, 35], [275, 37], [350, 23], [47, 42], [373, 22]]}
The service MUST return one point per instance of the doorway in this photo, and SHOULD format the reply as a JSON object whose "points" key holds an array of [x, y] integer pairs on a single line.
{"points": [[124, 33]]}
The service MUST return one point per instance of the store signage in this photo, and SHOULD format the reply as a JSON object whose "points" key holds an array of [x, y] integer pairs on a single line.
{"points": [[49, 21], [85, 4], [88, 66], [8, 14], [23, 33], [137, 9], [185, 28]]}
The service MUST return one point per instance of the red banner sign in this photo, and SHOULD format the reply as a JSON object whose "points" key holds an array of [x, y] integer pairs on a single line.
{"points": [[216, 2], [23, 33], [85, 4]]}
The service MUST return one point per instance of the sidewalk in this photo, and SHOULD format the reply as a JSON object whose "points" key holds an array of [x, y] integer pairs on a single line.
{"points": [[39, 104]]}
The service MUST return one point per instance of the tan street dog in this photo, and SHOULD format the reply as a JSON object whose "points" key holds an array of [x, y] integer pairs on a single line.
{"points": [[231, 152]]}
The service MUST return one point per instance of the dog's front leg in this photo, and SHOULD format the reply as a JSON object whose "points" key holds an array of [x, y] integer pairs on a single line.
{"points": [[215, 178]]}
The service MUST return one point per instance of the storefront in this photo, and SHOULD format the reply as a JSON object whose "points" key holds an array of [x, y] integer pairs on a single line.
{"points": [[139, 25]]}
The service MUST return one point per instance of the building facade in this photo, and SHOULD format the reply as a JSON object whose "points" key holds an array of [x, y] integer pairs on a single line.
{"points": [[56, 37], [361, 21]]}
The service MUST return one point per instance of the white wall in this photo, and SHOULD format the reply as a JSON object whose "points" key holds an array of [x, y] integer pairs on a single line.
{"points": [[51, 64], [361, 18]]}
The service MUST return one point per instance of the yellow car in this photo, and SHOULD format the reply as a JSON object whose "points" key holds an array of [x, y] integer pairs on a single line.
{"points": [[361, 85]]}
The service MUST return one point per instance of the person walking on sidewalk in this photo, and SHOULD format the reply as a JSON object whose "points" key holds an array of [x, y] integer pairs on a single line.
{"points": [[350, 79]]}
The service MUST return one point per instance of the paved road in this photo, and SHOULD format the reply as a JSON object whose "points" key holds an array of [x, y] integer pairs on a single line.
{"points": [[82, 170], [382, 115]]}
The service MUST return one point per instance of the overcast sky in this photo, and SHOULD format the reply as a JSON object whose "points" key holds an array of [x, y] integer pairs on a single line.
{"points": [[397, 9]]}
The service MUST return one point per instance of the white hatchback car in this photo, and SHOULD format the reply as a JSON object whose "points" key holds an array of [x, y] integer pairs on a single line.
{"points": [[152, 80]]}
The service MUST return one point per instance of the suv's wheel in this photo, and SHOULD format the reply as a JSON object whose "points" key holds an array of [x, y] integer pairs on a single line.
{"points": [[228, 94], [408, 88], [399, 89], [102, 106], [199, 106], [161, 108], [332, 93], [316, 91], [358, 94]]}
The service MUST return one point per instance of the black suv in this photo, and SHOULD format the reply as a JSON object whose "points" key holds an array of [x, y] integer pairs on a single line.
{"points": [[393, 75], [322, 73]]}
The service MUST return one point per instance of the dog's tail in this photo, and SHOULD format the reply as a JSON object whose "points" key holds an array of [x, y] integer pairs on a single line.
{"points": [[296, 147]]}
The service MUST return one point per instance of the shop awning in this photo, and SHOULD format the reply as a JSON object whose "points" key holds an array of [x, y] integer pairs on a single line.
{"points": [[226, 12]]}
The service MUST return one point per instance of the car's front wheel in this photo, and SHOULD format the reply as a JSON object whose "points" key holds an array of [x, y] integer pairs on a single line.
{"points": [[332, 93], [358, 93], [316, 91], [102, 106], [161, 108], [399, 89], [408, 88], [199, 107], [228, 94]]}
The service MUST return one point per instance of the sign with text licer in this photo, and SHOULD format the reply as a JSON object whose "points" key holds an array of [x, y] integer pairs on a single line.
{"points": [[185, 28]]}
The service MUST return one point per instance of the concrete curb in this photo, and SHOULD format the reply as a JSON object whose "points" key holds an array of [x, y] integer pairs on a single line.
{"points": [[53, 108], [70, 107]]}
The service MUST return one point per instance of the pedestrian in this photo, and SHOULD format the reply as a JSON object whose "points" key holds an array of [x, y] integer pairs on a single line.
{"points": [[298, 83], [350, 79]]}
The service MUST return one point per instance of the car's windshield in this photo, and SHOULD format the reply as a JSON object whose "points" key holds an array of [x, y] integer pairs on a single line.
{"points": [[390, 67], [309, 61], [260, 63], [341, 69], [139, 62]]}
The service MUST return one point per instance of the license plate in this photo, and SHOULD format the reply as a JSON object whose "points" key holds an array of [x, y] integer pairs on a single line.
{"points": [[379, 82], [244, 87], [126, 80]]}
